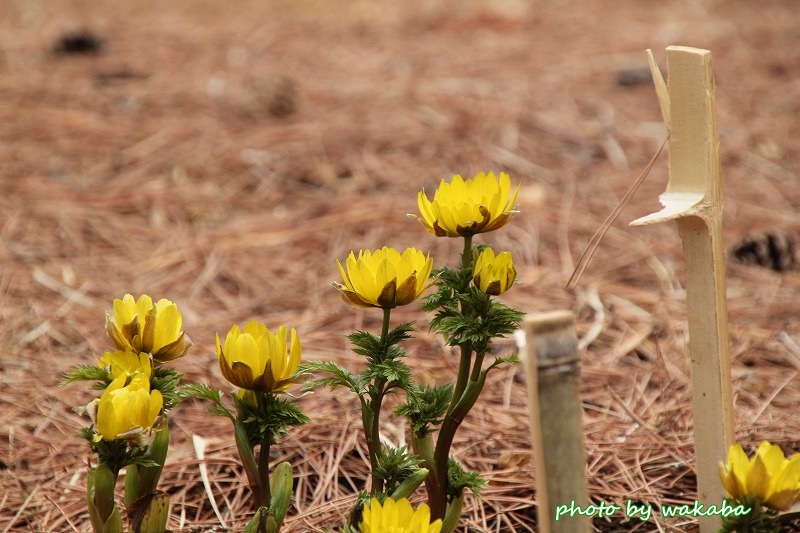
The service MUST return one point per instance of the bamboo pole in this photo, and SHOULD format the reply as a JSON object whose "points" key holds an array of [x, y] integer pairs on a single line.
{"points": [[553, 375], [694, 199]]}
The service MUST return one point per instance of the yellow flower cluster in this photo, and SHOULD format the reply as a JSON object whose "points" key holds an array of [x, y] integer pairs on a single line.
{"points": [[387, 278], [256, 359], [142, 333], [397, 517], [768, 476]]}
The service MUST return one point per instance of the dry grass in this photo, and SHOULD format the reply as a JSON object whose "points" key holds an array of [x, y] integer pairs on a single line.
{"points": [[156, 166]]}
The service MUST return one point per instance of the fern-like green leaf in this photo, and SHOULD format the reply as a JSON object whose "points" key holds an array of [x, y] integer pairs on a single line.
{"points": [[458, 479], [202, 391], [336, 376], [86, 373]]}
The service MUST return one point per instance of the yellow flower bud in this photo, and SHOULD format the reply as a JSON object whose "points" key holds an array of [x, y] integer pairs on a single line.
{"points": [[384, 278], [494, 275], [126, 363], [126, 411], [768, 476], [254, 358], [468, 207], [397, 517], [141, 326]]}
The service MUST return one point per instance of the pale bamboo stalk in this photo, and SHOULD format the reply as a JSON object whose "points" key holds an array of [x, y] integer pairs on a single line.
{"points": [[694, 199], [553, 372]]}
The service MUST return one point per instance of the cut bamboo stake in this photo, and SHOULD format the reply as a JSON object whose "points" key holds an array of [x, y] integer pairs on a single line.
{"points": [[553, 371], [694, 199]]}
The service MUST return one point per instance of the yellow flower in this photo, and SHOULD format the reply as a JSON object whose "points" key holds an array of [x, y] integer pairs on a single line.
{"points": [[384, 278], [494, 275], [467, 207], [127, 363], [254, 358], [397, 517], [126, 411], [767, 476], [143, 327]]}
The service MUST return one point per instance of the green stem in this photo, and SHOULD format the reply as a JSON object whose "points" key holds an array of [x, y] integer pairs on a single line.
{"points": [[263, 472], [368, 421], [463, 376], [372, 426], [466, 257], [437, 498], [465, 362], [264, 495], [476, 370], [375, 440], [436, 483], [387, 313]]}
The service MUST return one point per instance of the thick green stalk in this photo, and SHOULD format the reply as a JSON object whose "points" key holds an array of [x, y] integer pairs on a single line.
{"points": [[437, 499], [436, 484], [453, 514], [425, 449], [464, 365]]}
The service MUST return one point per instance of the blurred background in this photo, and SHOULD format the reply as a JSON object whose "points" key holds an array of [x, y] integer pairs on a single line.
{"points": [[224, 155]]}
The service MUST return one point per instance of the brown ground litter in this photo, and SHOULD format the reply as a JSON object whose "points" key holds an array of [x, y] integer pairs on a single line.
{"points": [[223, 155]]}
